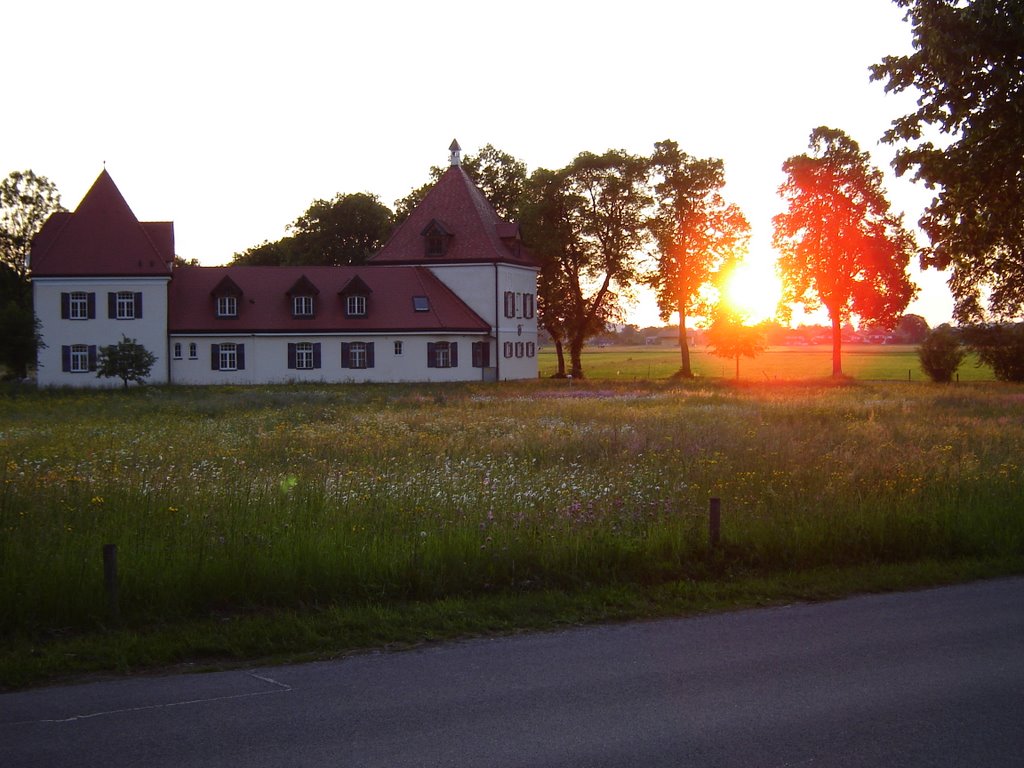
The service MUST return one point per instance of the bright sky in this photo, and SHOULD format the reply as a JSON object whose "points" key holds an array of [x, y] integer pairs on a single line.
{"points": [[230, 118]]}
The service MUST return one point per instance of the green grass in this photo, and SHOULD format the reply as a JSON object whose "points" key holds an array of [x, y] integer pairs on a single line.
{"points": [[252, 508]]}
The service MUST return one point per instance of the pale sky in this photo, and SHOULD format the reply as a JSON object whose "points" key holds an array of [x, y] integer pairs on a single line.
{"points": [[230, 118]]}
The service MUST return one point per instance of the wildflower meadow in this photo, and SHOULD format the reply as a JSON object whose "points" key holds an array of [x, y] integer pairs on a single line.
{"points": [[225, 500]]}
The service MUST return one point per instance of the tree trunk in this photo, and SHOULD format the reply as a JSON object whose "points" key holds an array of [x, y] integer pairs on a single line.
{"points": [[576, 356], [837, 344], [560, 355], [685, 370]]}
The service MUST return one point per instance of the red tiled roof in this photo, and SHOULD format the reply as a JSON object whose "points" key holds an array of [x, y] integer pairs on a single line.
{"points": [[102, 237], [476, 232], [265, 304]]}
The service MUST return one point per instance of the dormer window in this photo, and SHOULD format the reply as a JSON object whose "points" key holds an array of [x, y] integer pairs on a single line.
{"points": [[355, 306], [227, 306], [355, 297], [226, 295], [303, 295], [436, 237]]}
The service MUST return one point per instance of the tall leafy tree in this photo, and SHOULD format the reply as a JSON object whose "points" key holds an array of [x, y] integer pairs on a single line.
{"points": [[699, 235], [840, 245], [19, 327], [546, 227], [599, 215], [345, 230], [964, 142], [26, 202]]}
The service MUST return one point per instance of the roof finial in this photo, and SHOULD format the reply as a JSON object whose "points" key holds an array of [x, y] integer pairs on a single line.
{"points": [[456, 150]]}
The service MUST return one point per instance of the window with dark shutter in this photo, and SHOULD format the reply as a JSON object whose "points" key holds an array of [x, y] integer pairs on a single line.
{"points": [[240, 349], [291, 356], [453, 354], [215, 357], [481, 354], [65, 358], [112, 306], [76, 305], [431, 354], [346, 355], [92, 357], [138, 306], [369, 354], [316, 355], [510, 304]]}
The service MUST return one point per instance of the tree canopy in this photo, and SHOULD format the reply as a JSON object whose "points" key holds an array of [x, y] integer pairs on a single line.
{"points": [[699, 235], [839, 244], [964, 142], [588, 225], [345, 230], [26, 202]]}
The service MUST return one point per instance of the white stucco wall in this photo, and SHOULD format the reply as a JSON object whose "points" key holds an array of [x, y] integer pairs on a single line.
{"points": [[483, 287], [150, 330], [266, 360]]}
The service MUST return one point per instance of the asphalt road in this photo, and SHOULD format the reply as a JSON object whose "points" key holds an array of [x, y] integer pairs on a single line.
{"points": [[930, 678]]}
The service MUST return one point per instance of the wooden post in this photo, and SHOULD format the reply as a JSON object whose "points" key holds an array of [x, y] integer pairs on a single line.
{"points": [[715, 522], [110, 584]]}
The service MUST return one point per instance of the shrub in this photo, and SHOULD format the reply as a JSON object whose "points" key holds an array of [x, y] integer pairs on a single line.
{"points": [[1000, 346], [941, 353]]}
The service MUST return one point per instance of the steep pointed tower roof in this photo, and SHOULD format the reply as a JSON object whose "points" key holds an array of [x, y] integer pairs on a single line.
{"points": [[103, 238], [454, 223]]}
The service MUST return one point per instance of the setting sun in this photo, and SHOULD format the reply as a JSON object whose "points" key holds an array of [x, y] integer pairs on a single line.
{"points": [[754, 290]]}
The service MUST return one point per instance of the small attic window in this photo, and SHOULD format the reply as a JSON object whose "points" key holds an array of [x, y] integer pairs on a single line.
{"points": [[355, 297], [303, 295], [420, 304], [436, 238]]}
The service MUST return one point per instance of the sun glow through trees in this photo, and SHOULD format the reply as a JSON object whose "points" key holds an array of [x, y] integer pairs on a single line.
{"points": [[753, 289]]}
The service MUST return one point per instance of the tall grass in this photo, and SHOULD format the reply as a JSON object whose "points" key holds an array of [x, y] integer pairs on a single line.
{"points": [[226, 500]]}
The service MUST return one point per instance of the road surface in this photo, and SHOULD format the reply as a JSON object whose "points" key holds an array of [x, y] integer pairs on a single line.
{"points": [[928, 678]]}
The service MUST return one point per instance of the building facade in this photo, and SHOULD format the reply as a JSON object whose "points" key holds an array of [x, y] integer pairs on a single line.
{"points": [[450, 297]]}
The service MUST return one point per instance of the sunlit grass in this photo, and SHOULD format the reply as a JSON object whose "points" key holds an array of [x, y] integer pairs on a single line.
{"points": [[860, 361], [227, 500]]}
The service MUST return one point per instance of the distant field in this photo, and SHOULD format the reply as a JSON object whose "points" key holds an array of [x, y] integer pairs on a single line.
{"points": [[861, 361]]}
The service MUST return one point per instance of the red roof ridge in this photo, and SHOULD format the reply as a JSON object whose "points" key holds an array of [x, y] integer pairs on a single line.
{"points": [[103, 236], [475, 230]]}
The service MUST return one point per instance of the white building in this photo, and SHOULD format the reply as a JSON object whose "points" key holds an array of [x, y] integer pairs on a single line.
{"points": [[450, 297]]}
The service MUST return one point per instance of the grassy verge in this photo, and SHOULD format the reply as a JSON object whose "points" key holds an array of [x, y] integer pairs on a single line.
{"points": [[298, 636]]}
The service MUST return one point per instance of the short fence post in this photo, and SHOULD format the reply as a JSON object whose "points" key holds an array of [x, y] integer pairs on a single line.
{"points": [[715, 522], [110, 584]]}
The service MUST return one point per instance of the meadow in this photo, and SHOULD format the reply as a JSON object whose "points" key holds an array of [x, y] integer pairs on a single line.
{"points": [[246, 501]]}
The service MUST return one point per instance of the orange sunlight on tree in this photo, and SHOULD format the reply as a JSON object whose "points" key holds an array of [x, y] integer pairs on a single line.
{"points": [[752, 290]]}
